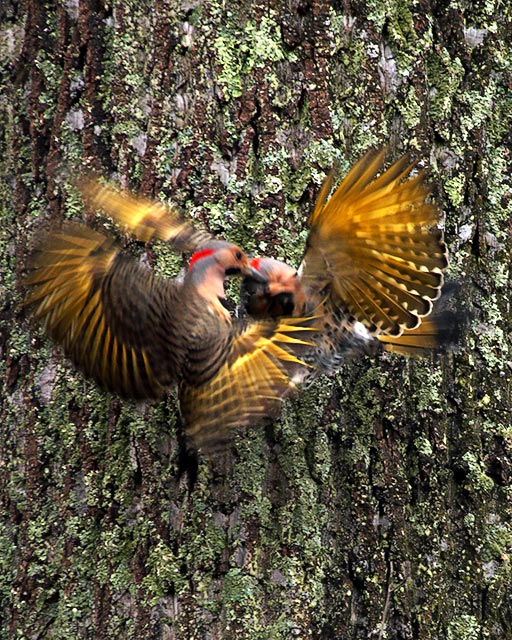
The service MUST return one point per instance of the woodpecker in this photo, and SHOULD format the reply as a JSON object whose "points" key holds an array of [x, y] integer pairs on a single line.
{"points": [[136, 334], [372, 267]]}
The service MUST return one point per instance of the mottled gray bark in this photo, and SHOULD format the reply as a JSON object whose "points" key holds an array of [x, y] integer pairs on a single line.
{"points": [[378, 505]]}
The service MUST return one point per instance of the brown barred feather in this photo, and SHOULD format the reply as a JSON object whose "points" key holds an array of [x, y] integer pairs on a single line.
{"points": [[260, 365], [79, 281], [135, 334]]}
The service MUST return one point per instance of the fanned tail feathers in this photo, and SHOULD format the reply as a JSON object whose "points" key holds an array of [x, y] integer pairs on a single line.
{"points": [[414, 342], [440, 332]]}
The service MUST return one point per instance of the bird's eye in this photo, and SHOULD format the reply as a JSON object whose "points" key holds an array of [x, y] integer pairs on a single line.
{"points": [[238, 255]]}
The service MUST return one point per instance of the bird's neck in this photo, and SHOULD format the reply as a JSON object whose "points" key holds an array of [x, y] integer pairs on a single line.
{"points": [[208, 281]]}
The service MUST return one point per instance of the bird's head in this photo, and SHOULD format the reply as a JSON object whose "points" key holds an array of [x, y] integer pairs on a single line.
{"points": [[224, 259], [211, 265], [281, 296]]}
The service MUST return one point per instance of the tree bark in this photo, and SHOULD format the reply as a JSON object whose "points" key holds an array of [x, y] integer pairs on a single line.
{"points": [[379, 504]]}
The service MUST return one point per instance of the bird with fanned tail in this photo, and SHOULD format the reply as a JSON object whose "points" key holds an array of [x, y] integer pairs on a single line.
{"points": [[374, 259]]}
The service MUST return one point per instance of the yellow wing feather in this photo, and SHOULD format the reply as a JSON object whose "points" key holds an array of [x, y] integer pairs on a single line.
{"points": [[73, 296], [145, 219], [375, 243], [252, 382]]}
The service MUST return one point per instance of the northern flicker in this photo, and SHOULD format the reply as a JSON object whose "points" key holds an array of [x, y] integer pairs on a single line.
{"points": [[373, 259], [136, 333], [372, 267]]}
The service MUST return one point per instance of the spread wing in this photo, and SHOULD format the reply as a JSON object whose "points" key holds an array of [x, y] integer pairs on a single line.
{"points": [[119, 323], [259, 371], [375, 247], [144, 219], [108, 312]]}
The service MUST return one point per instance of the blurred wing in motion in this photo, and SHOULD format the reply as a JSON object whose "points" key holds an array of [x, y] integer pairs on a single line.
{"points": [[261, 369], [144, 219], [107, 311]]}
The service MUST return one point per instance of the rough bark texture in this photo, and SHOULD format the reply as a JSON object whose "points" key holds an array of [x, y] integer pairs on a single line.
{"points": [[379, 505]]}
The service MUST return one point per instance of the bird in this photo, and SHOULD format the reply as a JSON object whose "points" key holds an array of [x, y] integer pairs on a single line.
{"points": [[372, 269], [373, 265], [137, 334]]}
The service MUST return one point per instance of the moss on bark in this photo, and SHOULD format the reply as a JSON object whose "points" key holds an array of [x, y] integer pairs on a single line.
{"points": [[378, 505]]}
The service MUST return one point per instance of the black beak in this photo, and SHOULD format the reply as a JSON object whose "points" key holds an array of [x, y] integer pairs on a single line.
{"points": [[249, 272]]}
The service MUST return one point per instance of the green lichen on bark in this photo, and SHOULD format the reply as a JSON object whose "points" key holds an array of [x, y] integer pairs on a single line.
{"points": [[379, 503]]}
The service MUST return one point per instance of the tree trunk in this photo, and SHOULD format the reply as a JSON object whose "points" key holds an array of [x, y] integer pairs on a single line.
{"points": [[378, 505]]}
